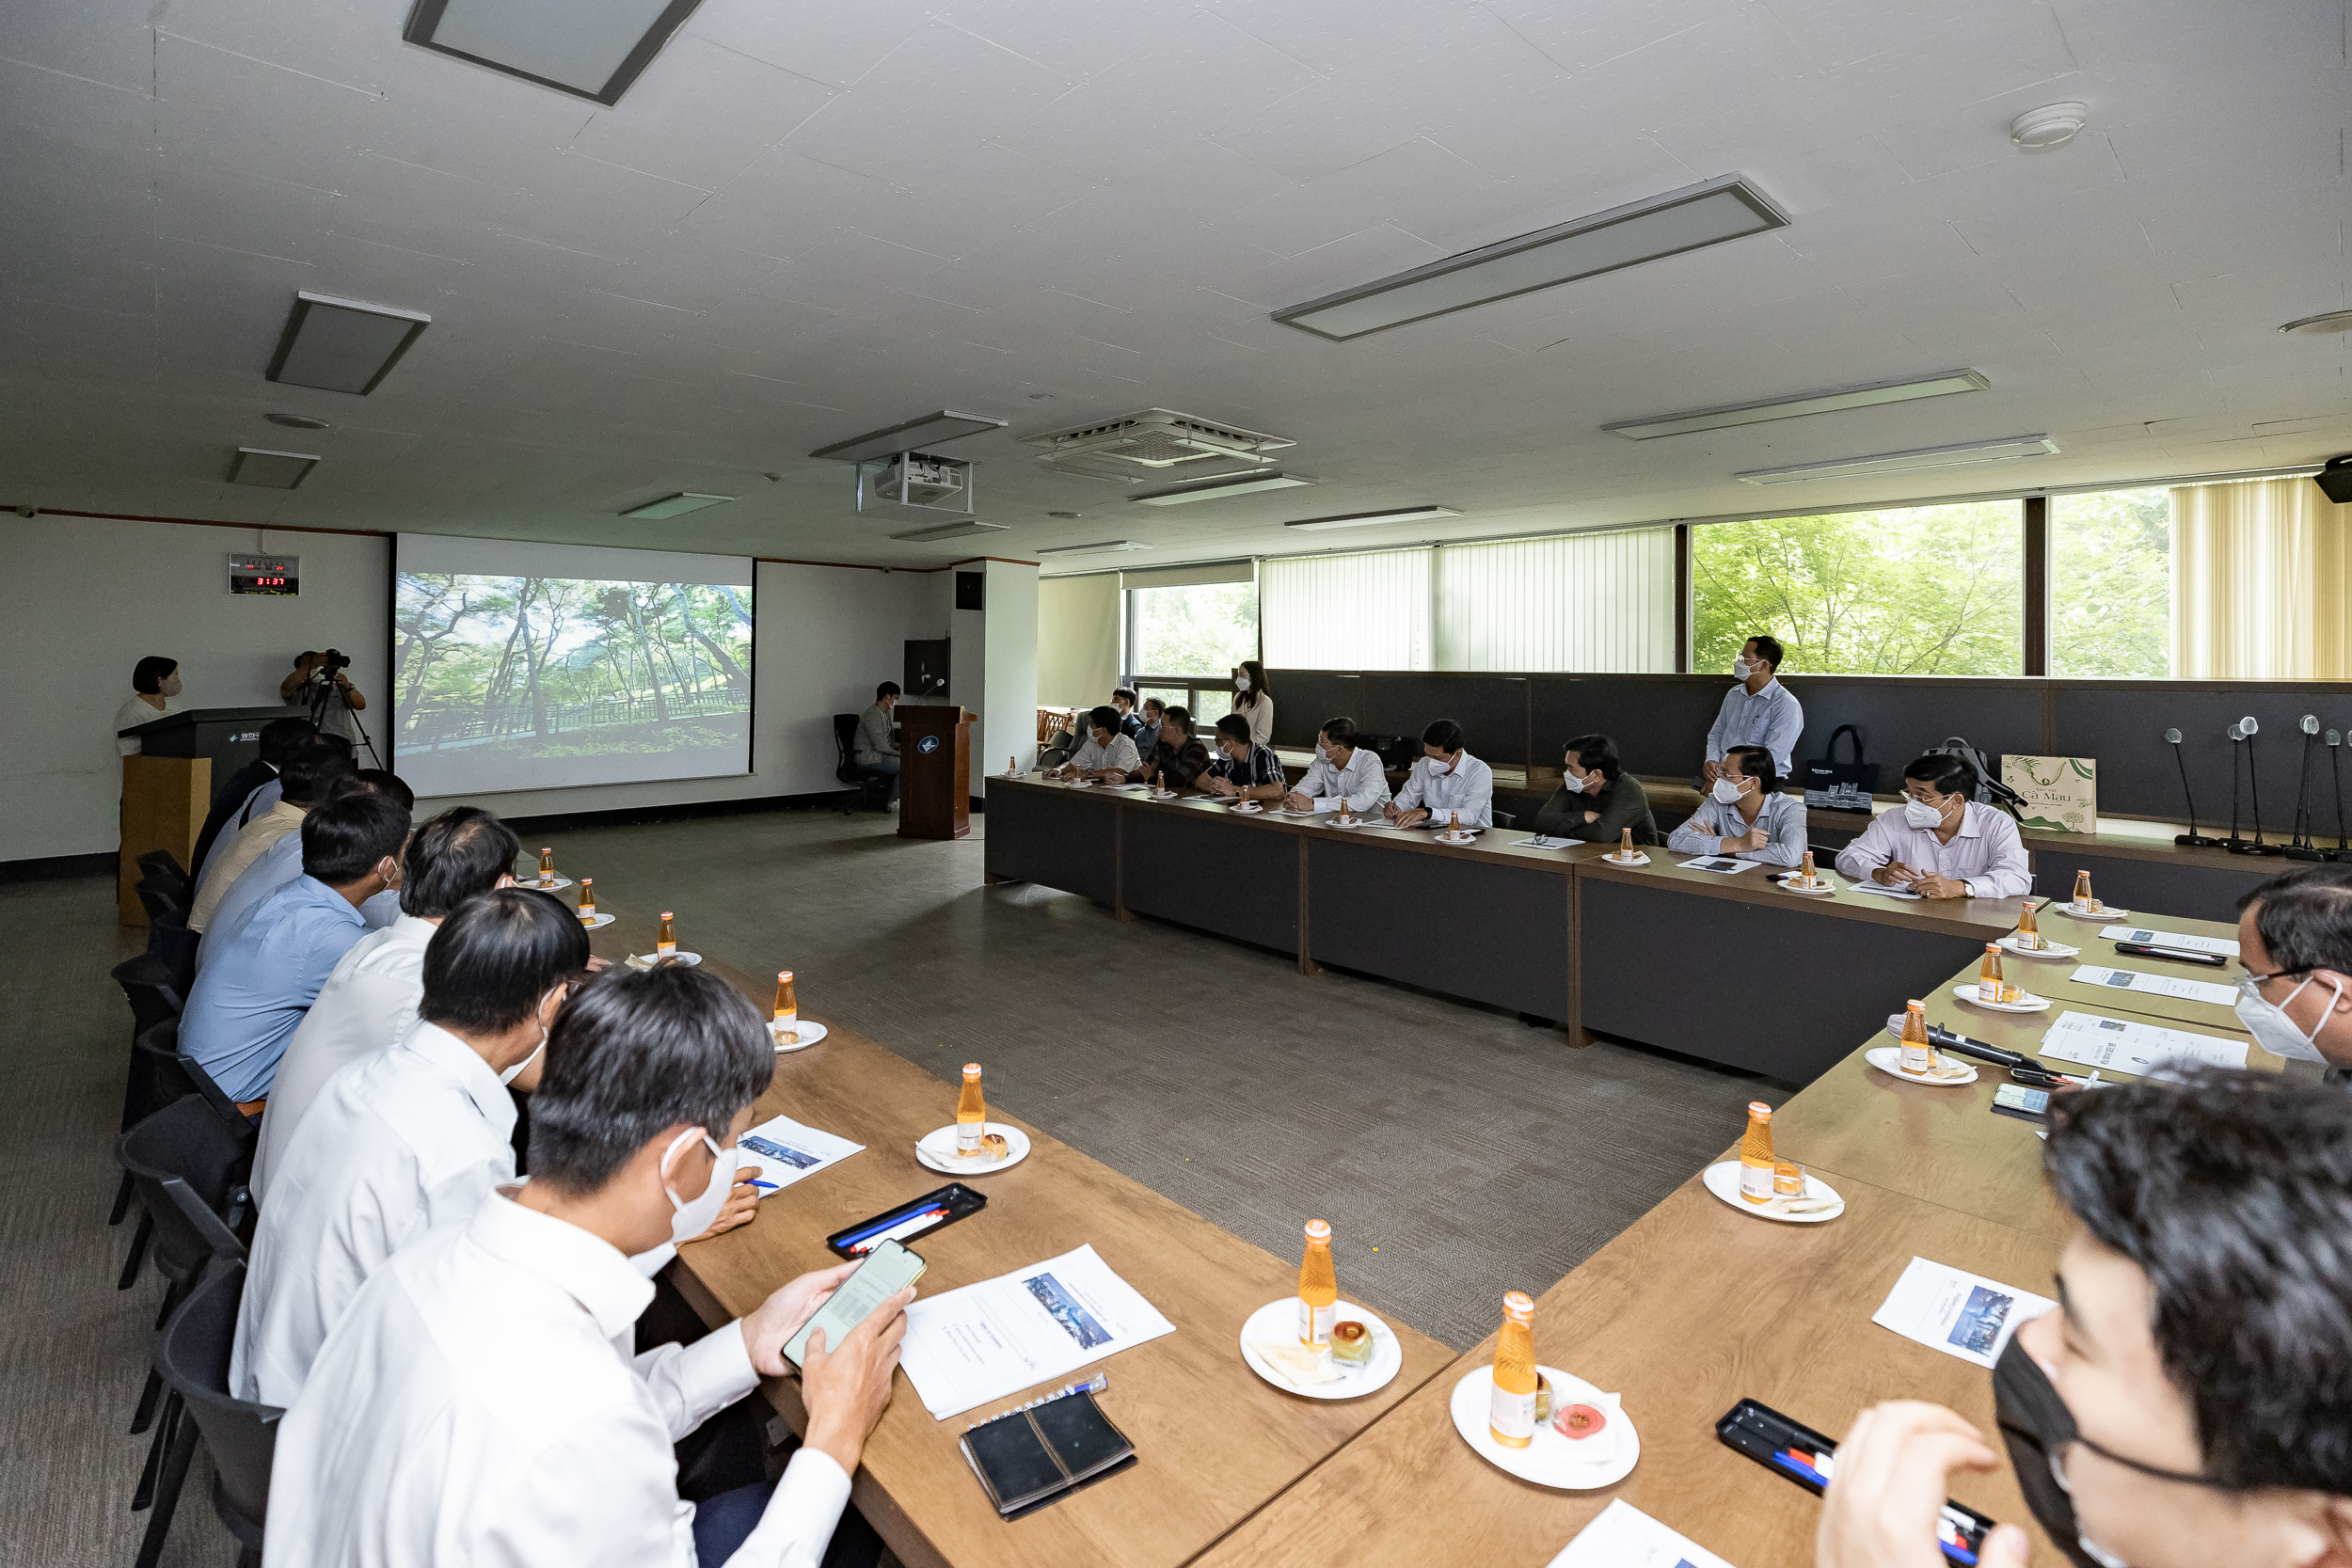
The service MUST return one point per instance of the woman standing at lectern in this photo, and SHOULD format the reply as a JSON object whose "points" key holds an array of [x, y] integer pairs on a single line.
{"points": [[154, 687]]}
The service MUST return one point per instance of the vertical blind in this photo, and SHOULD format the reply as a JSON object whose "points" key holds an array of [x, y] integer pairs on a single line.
{"points": [[2261, 583], [1587, 602]]}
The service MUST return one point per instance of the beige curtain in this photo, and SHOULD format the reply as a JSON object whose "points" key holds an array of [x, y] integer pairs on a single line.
{"points": [[2261, 583], [1077, 640]]}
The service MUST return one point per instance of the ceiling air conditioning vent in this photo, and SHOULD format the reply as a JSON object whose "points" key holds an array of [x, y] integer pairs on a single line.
{"points": [[1150, 443]]}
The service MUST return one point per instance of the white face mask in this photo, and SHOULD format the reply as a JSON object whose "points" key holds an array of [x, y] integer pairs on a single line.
{"points": [[1920, 815], [1728, 790], [1241, 683], [1571, 782], [1741, 669], [689, 1219], [171, 684], [1439, 767], [2275, 1032], [516, 1071]]}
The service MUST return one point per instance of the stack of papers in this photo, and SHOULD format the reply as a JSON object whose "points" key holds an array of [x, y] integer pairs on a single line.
{"points": [[1865, 885], [2146, 984], [2136, 1048], [2178, 941], [785, 1151], [1958, 1313], [1625, 1537], [988, 1341]]}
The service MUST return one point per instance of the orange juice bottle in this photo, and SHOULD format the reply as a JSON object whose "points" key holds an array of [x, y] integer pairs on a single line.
{"points": [[587, 901], [1511, 1417], [547, 867], [1755, 1154], [2084, 898], [2029, 934], [1918, 1051], [1625, 844], [1805, 873], [1453, 823], [785, 1022], [665, 940], [970, 1115], [1989, 974], [1012, 765], [1318, 1289]]}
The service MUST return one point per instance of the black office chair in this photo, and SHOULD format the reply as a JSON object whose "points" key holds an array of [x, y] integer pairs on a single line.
{"points": [[158, 896], [166, 876], [147, 986], [192, 1355], [871, 790], [163, 862], [169, 938]]}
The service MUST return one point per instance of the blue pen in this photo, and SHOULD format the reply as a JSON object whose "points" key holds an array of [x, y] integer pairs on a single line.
{"points": [[771, 1187]]}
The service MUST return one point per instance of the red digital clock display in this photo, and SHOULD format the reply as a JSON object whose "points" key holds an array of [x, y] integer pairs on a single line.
{"points": [[264, 573]]}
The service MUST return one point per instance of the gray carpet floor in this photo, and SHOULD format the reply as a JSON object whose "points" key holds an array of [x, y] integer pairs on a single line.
{"points": [[1457, 1152]]}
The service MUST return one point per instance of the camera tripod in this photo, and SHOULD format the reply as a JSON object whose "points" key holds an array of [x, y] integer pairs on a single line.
{"points": [[326, 696]]}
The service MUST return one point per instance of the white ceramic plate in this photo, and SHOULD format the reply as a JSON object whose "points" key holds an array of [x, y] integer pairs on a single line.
{"points": [[1639, 859], [1551, 1460], [534, 881], [2029, 1002], [2068, 910], [810, 1032], [1723, 1179], [1789, 885], [1888, 1059], [1246, 808], [1077, 783], [599, 920], [681, 958], [938, 1150], [2047, 950], [1163, 795], [1279, 1320], [1331, 819], [1468, 835]]}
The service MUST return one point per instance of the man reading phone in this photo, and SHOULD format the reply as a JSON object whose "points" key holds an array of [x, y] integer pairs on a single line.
{"points": [[478, 1403]]}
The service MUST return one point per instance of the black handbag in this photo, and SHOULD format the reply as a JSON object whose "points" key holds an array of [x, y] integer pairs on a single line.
{"points": [[1826, 772]]}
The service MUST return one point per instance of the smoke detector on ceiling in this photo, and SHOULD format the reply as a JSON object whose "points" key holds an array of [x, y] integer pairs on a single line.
{"points": [[2052, 125], [1154, 443]]}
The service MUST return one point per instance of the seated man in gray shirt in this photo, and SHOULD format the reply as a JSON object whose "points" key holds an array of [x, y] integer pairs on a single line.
{"points": [[1745, 814], [877, 753], [1108, 756]]}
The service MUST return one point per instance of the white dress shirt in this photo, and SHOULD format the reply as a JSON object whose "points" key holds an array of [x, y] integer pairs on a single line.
{"points": [[477, 1404], [138, 711], [1361, 786], [1782, 818], [367, 1003], [1093, 757], [1468, 789], [1986, 852], [402, 1141]]}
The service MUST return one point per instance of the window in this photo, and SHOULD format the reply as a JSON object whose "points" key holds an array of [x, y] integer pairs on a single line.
{"points": [[1368, 610], [1200, 629], [1600, 602], [1907, 591], [2112, 583]]}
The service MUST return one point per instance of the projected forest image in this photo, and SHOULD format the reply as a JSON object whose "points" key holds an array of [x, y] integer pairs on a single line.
{"points": [[493, 672]]}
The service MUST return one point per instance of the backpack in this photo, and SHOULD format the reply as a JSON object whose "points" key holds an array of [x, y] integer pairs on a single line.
{"points": [[1989, 790]]}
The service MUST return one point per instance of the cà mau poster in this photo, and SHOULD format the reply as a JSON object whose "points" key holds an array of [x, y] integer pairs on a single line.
{"points": [[2058, 794]]}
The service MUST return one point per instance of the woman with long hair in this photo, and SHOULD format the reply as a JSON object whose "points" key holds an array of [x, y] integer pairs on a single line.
{"points": [[1253, 702]]}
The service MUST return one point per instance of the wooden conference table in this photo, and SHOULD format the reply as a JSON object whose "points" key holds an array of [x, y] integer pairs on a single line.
{"points": [[1215, 1442]]}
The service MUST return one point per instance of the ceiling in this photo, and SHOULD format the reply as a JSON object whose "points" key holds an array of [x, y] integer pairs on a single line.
{"points": [[807, 221]]}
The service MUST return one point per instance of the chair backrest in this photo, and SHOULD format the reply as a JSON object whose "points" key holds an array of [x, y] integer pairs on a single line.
{"points": [[190, 1174], [845, 748], [169, 938], [192, 1355], [162, 863], [163, 1044], [158, 897]]}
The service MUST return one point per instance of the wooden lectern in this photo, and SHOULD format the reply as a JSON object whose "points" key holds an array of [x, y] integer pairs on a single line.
{"points": [[168, 787], [934, 771]]}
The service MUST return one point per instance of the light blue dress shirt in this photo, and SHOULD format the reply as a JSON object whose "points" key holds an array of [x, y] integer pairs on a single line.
{"points": [[1782, 818], [264, 975], [277, 865], [1771, 719]]}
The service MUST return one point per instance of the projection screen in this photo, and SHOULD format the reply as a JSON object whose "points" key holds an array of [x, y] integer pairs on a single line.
{"points": [[526, 666]]}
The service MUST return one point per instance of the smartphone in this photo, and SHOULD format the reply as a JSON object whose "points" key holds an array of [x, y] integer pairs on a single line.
{"points": [[2023, 1101], [929, 1213], [2149, 950], [886, 1270], [1795, 1450]]}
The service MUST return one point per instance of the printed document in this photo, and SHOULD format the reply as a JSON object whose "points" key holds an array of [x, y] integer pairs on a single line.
{"points": [[2157, 984], [985, 1342], [1625, 1537], [2136, 1048], [785, 1151], [1864, 884], [2148, 937], [1960, 1314]]}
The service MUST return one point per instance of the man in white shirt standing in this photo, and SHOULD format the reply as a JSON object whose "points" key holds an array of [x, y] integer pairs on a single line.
{"points": [[478, 1403], [1448, 784], [408, 1138], [154, 685], [1343, 774], [1757, 712], [371, 999]]}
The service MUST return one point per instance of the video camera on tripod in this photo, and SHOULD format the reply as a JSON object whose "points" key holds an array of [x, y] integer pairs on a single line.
{"points": [[324, 688]]}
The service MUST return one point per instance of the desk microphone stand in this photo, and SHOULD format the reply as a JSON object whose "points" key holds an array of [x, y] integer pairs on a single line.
{"points": [[2342, 851], [2303, 849]]}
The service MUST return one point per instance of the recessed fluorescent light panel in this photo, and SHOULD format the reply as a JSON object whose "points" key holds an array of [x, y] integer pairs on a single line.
{"points": [[270, 470], [950, 530], [592, 49], [1219, 489], [1867, 395], [2319, 326], [1724, 209], [914, 435], [342, 346], [1366, 520], [1090, 549], [676, 505], [2008, 446]]}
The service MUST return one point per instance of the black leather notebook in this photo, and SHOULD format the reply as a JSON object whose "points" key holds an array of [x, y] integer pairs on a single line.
{"points": [[1037, 1456]]}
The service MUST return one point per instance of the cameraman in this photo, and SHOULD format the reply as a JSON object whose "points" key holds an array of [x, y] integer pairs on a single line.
{"points": [[317, 672]]}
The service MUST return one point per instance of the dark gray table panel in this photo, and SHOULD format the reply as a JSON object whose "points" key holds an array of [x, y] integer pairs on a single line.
{"points": [[1052, 838], [1763, 986], [1197, 869], [2154, 889], [1491, 933]]}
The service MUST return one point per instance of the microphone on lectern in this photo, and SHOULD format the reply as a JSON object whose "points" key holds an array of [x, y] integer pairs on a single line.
{"points": [[2191, 839], [2301, 847], [2248, 727]]}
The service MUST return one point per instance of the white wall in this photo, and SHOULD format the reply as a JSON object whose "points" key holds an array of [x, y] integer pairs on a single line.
{"points": [[88, 598], [1008, 718]]}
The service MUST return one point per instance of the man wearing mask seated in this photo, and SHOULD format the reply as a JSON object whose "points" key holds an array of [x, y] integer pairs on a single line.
{"points": [[1107, 756], [2188, 1403], [1179, 760], [478, 1403], [1448, 784], [1939, 843], [2295, 941], [1344, 774], [1745, 814], [1244, 770], [1597, 800]]}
